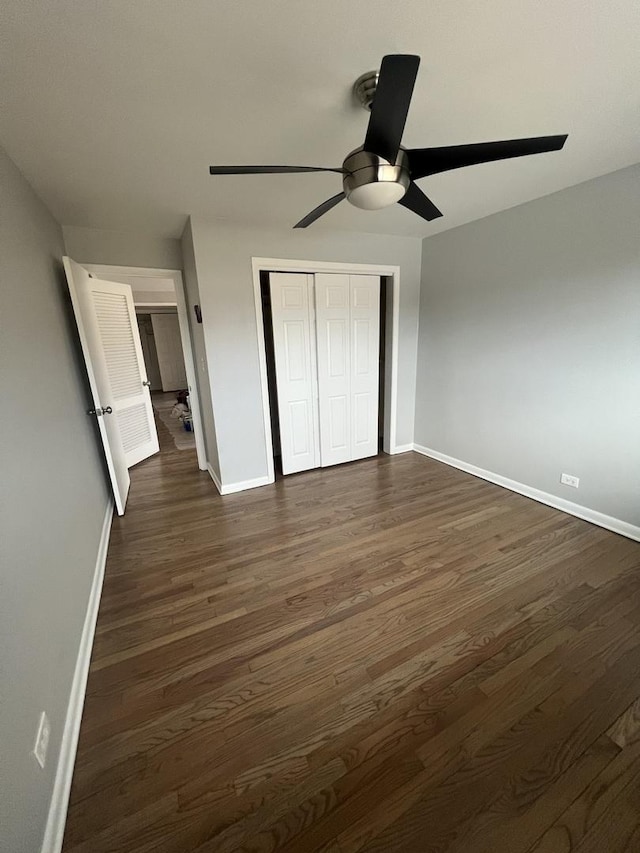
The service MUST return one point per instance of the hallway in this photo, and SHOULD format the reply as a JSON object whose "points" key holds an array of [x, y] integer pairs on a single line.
{"points": [[384, 656]]}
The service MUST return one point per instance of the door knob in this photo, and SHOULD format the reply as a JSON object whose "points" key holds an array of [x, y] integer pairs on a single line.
{"points": [[98, 412], [107, 411], [146, 382]]}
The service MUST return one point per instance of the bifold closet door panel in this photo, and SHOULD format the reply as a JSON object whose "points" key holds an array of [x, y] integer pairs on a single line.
{"points": [[348, 334], [333, 321], [365, 364], [296, 376]]}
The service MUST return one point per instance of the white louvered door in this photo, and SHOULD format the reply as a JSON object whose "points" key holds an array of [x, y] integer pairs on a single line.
{"points": [[120, 338], [110, 341], [79, 289]]}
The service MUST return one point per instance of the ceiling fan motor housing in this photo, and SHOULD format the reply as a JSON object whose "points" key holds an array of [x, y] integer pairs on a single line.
{"points": [[370, 182]]}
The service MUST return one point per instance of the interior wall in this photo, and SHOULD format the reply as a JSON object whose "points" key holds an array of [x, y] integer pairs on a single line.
{"points": [[192, 295], [529, 345], [166, 333], [149, 350], [223, 256], [53, 507], [122, 248]]}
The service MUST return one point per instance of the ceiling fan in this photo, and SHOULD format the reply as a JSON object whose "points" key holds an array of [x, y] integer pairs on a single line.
{"points": [[381, 172]]}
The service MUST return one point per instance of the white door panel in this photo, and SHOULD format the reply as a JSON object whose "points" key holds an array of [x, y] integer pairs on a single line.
{"points": [[120, 338], [365, 343], [293, 329], [85, 313], [334, 367], [110, 338], [348, 329]]}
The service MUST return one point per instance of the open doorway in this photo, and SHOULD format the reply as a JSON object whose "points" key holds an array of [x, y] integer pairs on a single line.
{"points": [[165, 337], [370, 432], [164, 360]]}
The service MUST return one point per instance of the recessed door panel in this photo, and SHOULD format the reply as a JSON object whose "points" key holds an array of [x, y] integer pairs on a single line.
{"points": [[295, 343], [337, 348], [336, 296], [362, 419], [338, 424], [299, 415], [362, 295], [362, 363]]}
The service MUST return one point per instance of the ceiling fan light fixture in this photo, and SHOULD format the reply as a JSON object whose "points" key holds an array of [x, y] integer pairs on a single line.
{"points": [[370, 182], [377, 195]]}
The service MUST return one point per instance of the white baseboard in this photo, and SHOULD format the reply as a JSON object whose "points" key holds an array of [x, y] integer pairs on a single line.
{"points": [[401, 448], [54, 831], [230, 488], [624, 528], [214, 477]]}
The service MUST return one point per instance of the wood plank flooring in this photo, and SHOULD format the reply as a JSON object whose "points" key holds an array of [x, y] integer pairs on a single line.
{"points": [[385, 656]]}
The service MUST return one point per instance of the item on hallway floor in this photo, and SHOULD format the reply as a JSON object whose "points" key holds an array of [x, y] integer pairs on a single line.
{"points": [[179, 410], [165, 406], [183, 414]]}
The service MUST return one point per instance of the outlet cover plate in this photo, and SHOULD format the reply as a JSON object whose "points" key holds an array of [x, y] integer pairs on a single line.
{"points": [[570, 480], [42, 740]]}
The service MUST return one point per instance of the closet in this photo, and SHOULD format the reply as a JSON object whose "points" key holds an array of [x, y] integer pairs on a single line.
{"points": [[326, 331]]}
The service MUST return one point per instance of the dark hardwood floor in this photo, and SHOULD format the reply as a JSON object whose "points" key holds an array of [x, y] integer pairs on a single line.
{"points": [[385, 656]]}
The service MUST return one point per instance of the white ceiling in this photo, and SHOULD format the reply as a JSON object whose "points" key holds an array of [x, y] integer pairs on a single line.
{"points": [[114, 109]]}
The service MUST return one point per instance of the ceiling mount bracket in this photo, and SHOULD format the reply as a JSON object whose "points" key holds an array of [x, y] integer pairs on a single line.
{"points": [[365, 88]]}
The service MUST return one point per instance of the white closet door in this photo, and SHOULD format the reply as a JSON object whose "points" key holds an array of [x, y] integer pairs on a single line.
{"points": [[365, 364], [348, 332], [293, 325], [166, 332], [334, 367]]}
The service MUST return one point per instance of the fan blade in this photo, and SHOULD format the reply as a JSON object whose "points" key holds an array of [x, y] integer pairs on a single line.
{"points": [[321, 209], [390, 105], [267, 170], [431, 161], [414, 199]]}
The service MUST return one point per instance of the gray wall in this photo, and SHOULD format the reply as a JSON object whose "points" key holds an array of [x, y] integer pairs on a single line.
{"points": [[529, 345], [192, 296], [54, 499], [223, 258], [122, 248]]}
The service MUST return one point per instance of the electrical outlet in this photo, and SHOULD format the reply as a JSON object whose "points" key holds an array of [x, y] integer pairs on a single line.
{"points": [[570, 480], [42, 740]]}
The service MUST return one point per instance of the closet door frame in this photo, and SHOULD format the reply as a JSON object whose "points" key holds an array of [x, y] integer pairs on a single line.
{"points": [[392, 335]]}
